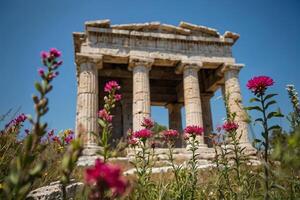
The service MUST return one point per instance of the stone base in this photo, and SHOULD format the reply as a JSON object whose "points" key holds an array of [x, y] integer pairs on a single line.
{"points": [[89, 154]]}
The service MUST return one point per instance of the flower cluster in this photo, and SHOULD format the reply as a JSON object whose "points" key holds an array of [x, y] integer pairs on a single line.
{"points": [[259, 84], [170, 134], [111, 86], [17, 121], [103, 114], [105, 177], [142, 134], [148, 123], [64, 137], [230, 126], [193, 131], [49, 60]]}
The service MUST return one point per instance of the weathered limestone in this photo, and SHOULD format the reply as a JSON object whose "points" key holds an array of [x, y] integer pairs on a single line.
{"points": [[175, 120], [141, 106], [156, 64], [87, 101], [192, 100], [207, 116], [234, 98]]}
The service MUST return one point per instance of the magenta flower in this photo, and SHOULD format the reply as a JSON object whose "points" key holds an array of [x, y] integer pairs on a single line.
{"points": [[229, 126], [17, 121], [147, 123], [55, 53], [170, 134], [142, 134], [118, 97], [193, 130], [44, 55], [259, 84], [104, 177], [111, 85], [132, 140], [68, 139], [52, 75], [103, 114], [185, 136], [41, 72]]}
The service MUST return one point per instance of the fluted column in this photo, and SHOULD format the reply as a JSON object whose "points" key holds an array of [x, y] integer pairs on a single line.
{"points": [[175, 123], [232, 93], [192, 100], [87, 98], [141, 106], [207, 116]]}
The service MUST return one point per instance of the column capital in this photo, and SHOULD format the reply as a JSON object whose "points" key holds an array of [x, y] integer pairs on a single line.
{"points": [[136, 61], [97, 60], [188, 64], [231, 67]]}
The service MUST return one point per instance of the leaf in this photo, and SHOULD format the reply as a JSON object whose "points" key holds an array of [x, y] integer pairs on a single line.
{"points": [[37, 169], [269, 104], [269, 96], [274, 114], [102, 123], [274, 127], [254, 108], [38, 87], [259, 120], [254, 100], [257, 140]]}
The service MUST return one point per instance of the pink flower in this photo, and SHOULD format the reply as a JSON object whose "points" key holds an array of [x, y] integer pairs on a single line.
{"points": [[259, 84], [106, 176], [104, 115], [51, 133], [185, 136], [142, 134], [147, 123], [132, 140], [118, 97], [17, 121], [193, 130], [68, 139], [55, 53], [111, 85], [44, 55], [230, 126], [41, 72], [53, 75], [170, 134], [56, 139]]}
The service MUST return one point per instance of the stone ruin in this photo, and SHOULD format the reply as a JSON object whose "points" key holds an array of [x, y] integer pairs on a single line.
{"points": [[160, 65]]}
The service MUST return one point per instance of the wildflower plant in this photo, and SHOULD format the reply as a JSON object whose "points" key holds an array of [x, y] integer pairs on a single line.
{"points": [[143, 157], [105, 180], [259, 85], [105, 117], [294, 117], [23, 171], [191, 134]]}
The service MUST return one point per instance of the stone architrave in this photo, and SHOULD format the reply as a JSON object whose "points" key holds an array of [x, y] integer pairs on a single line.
{"points": [[87, 100], [175, 120], [232, 93], [141, 106], [192, 100]]}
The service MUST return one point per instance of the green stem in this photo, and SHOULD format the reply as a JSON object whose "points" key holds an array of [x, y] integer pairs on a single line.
{"points": [[265, 125]]}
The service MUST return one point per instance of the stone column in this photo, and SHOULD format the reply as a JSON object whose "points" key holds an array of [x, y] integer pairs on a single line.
{"points": [[207, 116], [141, 106], [126, 113], [234, 98], [192, 100], [175, 123], [87, 101]]}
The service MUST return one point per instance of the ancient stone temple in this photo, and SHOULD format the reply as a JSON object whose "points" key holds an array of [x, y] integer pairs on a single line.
{"points": [[155, 64]]}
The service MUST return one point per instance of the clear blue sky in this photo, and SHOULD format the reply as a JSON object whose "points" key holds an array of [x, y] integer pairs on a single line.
{"points": [[269, 43]]}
